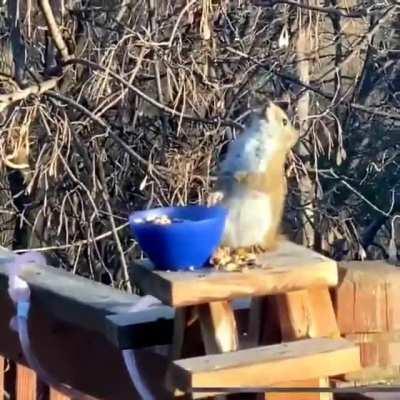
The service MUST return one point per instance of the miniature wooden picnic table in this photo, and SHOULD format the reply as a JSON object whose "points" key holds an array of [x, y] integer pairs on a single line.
{"points": [[297, 278]]}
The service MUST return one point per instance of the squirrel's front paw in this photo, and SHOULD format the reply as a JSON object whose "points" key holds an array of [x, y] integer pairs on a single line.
{"points": [[240, 176], [214, 198]]}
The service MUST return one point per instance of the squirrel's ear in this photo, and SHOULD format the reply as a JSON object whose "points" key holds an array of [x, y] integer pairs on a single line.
{"points": [[287, 105], [284, 102]]}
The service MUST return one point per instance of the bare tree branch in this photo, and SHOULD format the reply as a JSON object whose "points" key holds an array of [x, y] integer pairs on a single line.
{"points": [[17, 43], [341, 12], [54, 29], [215, 121], [7, 99]]}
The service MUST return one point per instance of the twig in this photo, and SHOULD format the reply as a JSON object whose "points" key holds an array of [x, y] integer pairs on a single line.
{"points": [[369, 110], [178, 20], [78, 242], [366, 38], [272, 70], [108, 130], [40, 88], [375, 111], [156, 69], [155, 103], [362, 197], [54, 29], [17, 43], [111, 219], [122, 8], [326, 10]]}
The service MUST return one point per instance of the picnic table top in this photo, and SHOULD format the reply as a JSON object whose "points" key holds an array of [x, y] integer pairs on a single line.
{"points": [[290, 267]]}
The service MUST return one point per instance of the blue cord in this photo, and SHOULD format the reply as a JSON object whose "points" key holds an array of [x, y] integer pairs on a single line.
{"points": [[23, 309]]}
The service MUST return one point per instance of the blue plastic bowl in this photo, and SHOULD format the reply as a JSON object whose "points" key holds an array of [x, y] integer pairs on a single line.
{"points": [[180, 245]]}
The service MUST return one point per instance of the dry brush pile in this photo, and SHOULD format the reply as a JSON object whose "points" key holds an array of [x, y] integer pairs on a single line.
{"points": [[110, 106]]}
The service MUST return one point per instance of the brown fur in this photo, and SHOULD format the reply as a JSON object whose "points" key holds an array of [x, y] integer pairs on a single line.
{"points": [[273, 180]]}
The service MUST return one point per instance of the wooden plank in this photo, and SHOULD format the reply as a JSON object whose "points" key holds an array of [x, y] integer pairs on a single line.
{"points": [[374, 337], [92, 305], [307, 313], [338, 383], [378, 349], [367, 298], [140, 329], [219, 334], [55, 395], [323, 318], [294, 314], [25, 388], [341, 384], [381, 354], [302, 314], [289, 268], [80, 358], [344, 304], [268, 365], [374, 375], [76, 295], [97, 307], [218, 327], [318, 382], [2, 373]]}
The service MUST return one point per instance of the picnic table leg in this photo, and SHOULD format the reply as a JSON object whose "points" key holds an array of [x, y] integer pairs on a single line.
{"points": [[307, 313], [299, 314], [187, 340], [180, 319], [218, 327], [218, 330], [26, 383]]}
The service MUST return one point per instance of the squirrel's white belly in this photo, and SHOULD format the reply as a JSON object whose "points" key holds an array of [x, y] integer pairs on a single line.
{"points": [[249, 219]]}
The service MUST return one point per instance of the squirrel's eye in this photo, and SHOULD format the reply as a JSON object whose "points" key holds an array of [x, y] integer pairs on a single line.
{"points": [[284, 122]]}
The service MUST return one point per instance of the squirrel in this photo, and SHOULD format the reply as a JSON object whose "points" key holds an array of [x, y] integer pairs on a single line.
{"points": [[251, 181]]}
